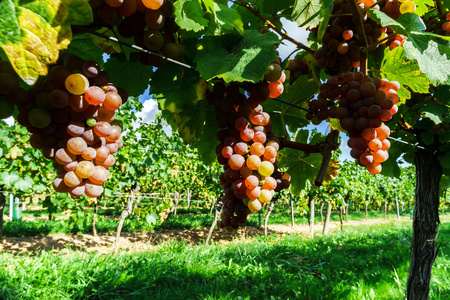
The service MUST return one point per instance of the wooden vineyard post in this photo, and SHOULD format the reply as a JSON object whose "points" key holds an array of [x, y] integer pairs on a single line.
{"points": [[311, 216], [218, 208], [266, 219], [125, 213], [326, 225], [291, 204]]}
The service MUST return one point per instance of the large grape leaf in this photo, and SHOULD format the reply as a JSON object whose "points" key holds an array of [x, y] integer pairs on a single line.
{"points": [[431, 51], [57, 12], [282, 114], [224, 20], [235, 58], [309, 13], [301, 167], [205, 142], [189, 15], [395, 68], [83, 46], [130, 74], [433, 55], [177, 88], [33, 32]]}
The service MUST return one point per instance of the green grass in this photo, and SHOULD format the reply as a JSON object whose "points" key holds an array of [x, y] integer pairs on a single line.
{"points": [[359, 263]]}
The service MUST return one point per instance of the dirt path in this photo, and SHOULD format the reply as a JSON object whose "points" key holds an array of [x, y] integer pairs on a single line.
{"points": [[141, 241]]}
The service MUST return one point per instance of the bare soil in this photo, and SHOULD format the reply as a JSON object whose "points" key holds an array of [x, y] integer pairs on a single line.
{"points": [[142, 241]]}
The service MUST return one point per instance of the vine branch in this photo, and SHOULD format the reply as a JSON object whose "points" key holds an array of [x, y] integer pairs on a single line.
{"points": [[358, 20], [440, 8], [271, 25]]}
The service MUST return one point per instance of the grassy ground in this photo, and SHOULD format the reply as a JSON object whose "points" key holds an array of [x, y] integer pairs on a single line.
{"points": [[363, 262]]}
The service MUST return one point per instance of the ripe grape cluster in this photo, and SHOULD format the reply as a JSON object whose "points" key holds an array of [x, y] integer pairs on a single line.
{"points": [[247, 148], [149, 22], [361, 104], [297, 67], [341, 44], [70, 114]]}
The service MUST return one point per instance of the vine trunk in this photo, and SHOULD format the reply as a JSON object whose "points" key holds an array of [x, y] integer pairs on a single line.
{"points": [[425, 225]]}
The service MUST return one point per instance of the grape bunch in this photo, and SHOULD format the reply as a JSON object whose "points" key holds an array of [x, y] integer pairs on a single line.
{"points": [[70, 115], [297, 67], [361, 103], [341, 44], [247, 148], [149, 22]]}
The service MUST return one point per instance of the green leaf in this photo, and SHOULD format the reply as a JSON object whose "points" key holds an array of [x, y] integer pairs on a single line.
{"points": [[433, 55], [243, 59], [151, 218], [9, 179], [177, 88], [309, 13], [226, 20], [287, 115], [272, 7], [190, 122], [9, 27], [129, 74], [189, 15], [445, 159], [58, 12], [209, 134], [39, 44], [301, 168], [431, 51], [24, 184], [422, 6], [431, 110], [405, 24], [83, 46], [395, 69]]}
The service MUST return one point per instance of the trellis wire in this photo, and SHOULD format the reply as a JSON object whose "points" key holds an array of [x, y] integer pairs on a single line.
{"points": [[116, 40]]}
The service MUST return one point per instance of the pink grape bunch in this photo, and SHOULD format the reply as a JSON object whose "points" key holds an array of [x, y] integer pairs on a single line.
{"points": [[247, 151], [361, 104], [341, 44], [151, 24], [71, 117]]}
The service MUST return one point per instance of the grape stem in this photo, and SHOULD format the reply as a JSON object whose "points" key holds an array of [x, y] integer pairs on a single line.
{"points": [[271, 25], [331, 144], [359, 22], [379, 42]]}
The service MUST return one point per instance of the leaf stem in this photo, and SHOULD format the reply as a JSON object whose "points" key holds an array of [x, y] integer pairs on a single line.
{"points": [[363, 63], [271, 25]]}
